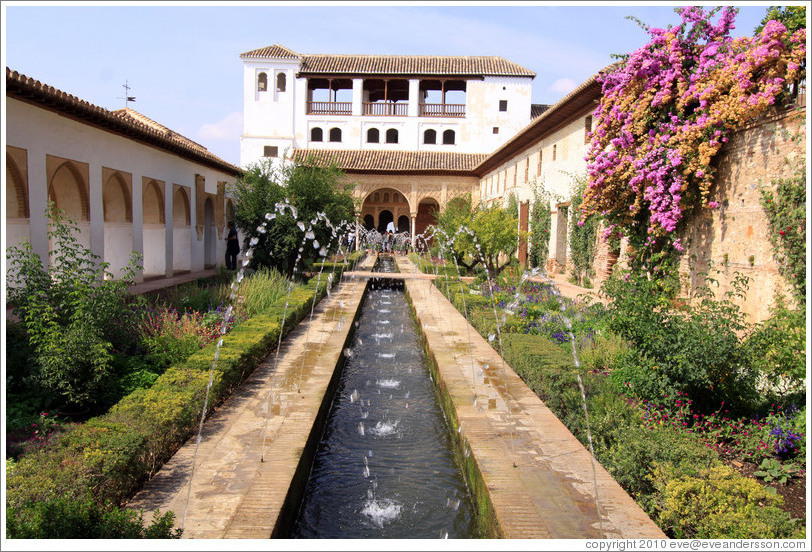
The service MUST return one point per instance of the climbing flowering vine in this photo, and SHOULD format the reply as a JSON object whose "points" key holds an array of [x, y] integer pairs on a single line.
{"points": [[665, 113]]}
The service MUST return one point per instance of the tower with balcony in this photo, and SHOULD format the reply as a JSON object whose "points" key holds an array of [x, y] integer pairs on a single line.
{"points": [[454, 104]]}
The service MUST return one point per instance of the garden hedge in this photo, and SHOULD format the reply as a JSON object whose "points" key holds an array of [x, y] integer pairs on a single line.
{"points": [[109, 457]]}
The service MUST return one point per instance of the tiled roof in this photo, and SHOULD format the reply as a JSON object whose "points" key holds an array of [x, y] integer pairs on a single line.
{"points": [[128, 123], [394, 161], [132, 114], [333, 64], [537, 110], [276, 52]]}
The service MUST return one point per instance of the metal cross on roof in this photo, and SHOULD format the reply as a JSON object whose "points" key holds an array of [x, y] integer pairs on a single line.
{"points": [[127, 98]]}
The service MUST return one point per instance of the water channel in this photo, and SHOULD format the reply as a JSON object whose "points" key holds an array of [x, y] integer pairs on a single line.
{"points": [[385, 467]]}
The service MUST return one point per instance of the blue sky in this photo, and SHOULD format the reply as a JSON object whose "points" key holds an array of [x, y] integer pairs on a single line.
{"points": [[182, 59]]}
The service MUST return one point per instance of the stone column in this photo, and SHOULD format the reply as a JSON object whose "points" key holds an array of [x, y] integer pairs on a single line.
{"points": [[357, 97]]}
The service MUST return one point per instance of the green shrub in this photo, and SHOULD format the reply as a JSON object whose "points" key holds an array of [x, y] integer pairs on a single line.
{"points": [[631, 452], [717, 502], [696, 350], [778, 348], [74, 314], [62, 518]]}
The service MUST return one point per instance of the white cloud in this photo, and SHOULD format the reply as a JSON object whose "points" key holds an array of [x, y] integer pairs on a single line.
{"points": [[228, 128], [563, 86]]}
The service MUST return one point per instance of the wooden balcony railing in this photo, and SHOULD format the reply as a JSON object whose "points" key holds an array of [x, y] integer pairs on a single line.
{"points": [[442, 110], [386, 109], [329, 108]]}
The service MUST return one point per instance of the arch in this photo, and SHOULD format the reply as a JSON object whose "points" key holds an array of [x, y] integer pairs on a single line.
{"points": [[403, 223], [373, 136], [153, 204], [392, 136], [369, 222], [116, 200], [449, 137], [316, 134], [68, 192], [209, 236], [281, 82], [16, 191], [262, 82], [384, 218], [430, 136], [181, 208], [426, 215], [335, 134]]}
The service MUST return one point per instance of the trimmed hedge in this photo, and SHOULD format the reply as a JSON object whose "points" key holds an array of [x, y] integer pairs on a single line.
{"points": [[108, 458]]}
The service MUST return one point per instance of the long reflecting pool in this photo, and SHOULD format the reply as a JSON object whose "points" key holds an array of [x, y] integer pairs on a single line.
{"points": [[385, 467]]}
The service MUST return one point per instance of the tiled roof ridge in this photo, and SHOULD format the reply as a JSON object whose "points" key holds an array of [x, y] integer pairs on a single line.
{"points": [[118, 121], [365, 63], [275, 51]]}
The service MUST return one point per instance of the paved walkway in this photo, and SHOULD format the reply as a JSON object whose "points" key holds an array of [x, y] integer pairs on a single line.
{"points": [[160, 283], [250, 462]]}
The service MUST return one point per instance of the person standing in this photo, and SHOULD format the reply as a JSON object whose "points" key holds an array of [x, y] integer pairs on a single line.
{"points": [[232, 247]]}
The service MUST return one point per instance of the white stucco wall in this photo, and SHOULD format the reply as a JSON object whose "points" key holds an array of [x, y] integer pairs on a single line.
{"points": [[41, 132]]}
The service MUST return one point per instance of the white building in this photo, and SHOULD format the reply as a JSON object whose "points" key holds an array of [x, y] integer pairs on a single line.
{"points": [[456, 104], [130, 183]]}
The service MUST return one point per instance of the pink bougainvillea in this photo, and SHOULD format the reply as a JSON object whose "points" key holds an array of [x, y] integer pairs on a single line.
{"points": [[668, 109]]}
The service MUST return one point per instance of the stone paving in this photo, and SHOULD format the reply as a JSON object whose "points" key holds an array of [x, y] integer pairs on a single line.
{"points": [[249, 464]]}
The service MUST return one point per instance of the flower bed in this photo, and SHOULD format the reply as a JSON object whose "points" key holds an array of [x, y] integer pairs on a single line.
{"points": [[662, 453]]}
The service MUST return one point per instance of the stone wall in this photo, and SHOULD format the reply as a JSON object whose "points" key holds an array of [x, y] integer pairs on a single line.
{"points": [[735, 237]]}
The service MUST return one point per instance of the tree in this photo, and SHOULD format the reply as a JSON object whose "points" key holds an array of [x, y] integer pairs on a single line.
{"points": [[792, 17], [309, 187], [497, 235], [454, 224]]}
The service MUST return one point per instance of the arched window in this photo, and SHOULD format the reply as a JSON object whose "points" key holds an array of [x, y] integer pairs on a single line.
{"points": [[373, 136], [430, 137], [448, 137], [281, 82], [262, 82], [316, 134], [392, 136], [335, 134]]}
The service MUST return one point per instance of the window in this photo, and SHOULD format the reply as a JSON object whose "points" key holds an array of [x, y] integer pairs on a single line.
{"points": [[587, 128], [554, 152], [502, 105], [271, 151], [392, 136], [262, 82], [448, 137], [373, 136], [281, 82], [526, 169], [430, 137], [316, 134], [496, 130], [335, 134], [538, 169], [515, 174]]}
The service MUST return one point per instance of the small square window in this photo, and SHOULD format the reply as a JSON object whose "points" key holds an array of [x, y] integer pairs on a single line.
{"points": [[496, 130], [271, 151], [502, 105]]}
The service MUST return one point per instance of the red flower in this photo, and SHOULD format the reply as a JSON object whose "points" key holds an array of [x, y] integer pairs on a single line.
{"points": [[781, 232]]}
